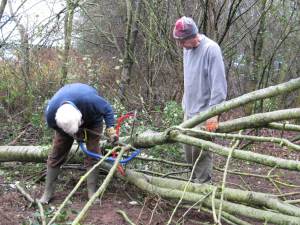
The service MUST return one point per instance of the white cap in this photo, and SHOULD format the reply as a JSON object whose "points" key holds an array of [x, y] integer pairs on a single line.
{"points": [[68, 118]]}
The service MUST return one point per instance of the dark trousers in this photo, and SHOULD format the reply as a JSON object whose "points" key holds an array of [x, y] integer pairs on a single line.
{"points": [[62, 144]]}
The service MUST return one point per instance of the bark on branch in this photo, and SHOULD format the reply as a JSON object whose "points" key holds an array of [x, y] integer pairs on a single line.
{"points": [[272, 91]]}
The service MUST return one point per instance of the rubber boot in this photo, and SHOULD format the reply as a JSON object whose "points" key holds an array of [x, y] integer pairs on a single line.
{"points": [[92, 181], [51, 176]]}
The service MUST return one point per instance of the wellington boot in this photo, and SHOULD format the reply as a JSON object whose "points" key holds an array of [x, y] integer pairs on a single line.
{"points": [[51, 176], [92, 181]]}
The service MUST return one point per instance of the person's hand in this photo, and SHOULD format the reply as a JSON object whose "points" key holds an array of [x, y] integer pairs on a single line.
{"points": [[112, 135], [212, 124]]}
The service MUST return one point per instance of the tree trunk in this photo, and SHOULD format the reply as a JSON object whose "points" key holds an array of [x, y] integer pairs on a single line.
{"points": [[68, 28], [130, 41], [2, 8], [24, 59]]}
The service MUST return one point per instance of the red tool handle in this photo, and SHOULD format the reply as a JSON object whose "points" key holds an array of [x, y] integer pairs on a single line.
{"points": [[121, 119]]}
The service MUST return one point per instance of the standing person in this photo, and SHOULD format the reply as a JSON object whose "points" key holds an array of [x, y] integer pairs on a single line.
{"points": [[73, 109], [204, 86]]}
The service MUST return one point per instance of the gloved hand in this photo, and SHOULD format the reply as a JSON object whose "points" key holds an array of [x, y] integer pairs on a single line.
{"points": [[212, 124], [112, 135]]}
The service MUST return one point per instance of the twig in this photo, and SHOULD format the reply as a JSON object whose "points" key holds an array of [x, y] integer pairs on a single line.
{"points": [[23, 192], [280, 141], [160, 174], [13, 142], [253, 157], [213, 206], [131, 198], [246, 174], [296, 138], [125, 217], [102, 188], [196, 203], [276, 186], [158, 160], [245, 183], [153, 211], [294, 201], [38, 176], [272, 181], [285, 184], [43, 217], [237, 185], [201, 222], [141, 211], [227, 216], [185, 187], [224, 178], [30, 199], [288, 194], [176, 172], [73, 166], [82, 179]]}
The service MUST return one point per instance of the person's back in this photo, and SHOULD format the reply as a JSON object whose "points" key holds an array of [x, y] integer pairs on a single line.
{"points": [[92, 106], [76, 111]]}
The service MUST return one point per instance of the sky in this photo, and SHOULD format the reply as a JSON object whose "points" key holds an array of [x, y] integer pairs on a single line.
{"points": [[37, 16]]}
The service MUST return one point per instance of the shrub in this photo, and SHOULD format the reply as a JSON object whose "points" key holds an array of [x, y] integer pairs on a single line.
{"points": [[172, 114]]}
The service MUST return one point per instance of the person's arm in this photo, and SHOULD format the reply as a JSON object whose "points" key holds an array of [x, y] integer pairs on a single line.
{"points": [[109, 118], [217, 78], [108, 115], [218, 84]]}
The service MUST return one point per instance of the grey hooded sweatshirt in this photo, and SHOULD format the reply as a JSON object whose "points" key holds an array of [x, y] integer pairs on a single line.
{"points": [[204, 77]]}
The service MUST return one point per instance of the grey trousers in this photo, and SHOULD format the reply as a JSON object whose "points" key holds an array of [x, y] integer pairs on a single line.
{"points": [[203, 169]]}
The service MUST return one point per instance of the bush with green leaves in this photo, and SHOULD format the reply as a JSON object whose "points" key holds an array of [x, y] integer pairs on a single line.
{"points": [[172, 114], [271, 104]]}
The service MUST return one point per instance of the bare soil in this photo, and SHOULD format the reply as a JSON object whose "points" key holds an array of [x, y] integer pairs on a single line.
{"points": [[140, 207]]}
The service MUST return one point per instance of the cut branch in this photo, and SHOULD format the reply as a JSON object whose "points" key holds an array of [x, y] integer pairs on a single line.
{"points": [[239, 154], [272, 91], [258, 120], [144, 182]]}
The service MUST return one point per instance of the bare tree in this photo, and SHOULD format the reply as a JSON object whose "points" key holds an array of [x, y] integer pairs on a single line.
{"points": [[24, 48], [130, 42], [68, 28], [2, 7]]}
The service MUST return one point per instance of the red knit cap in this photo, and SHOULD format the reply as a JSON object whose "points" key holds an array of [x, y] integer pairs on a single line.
{"points": [[184, 28]]}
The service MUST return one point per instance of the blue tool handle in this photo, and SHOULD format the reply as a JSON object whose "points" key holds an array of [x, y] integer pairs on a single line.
{"points": [[99, 156]]}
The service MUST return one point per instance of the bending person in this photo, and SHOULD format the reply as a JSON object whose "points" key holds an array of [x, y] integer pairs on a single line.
{"points": [[73, 108]]}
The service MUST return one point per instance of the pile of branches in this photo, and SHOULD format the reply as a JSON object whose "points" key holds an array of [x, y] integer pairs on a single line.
{"points": [[234, 206]]}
